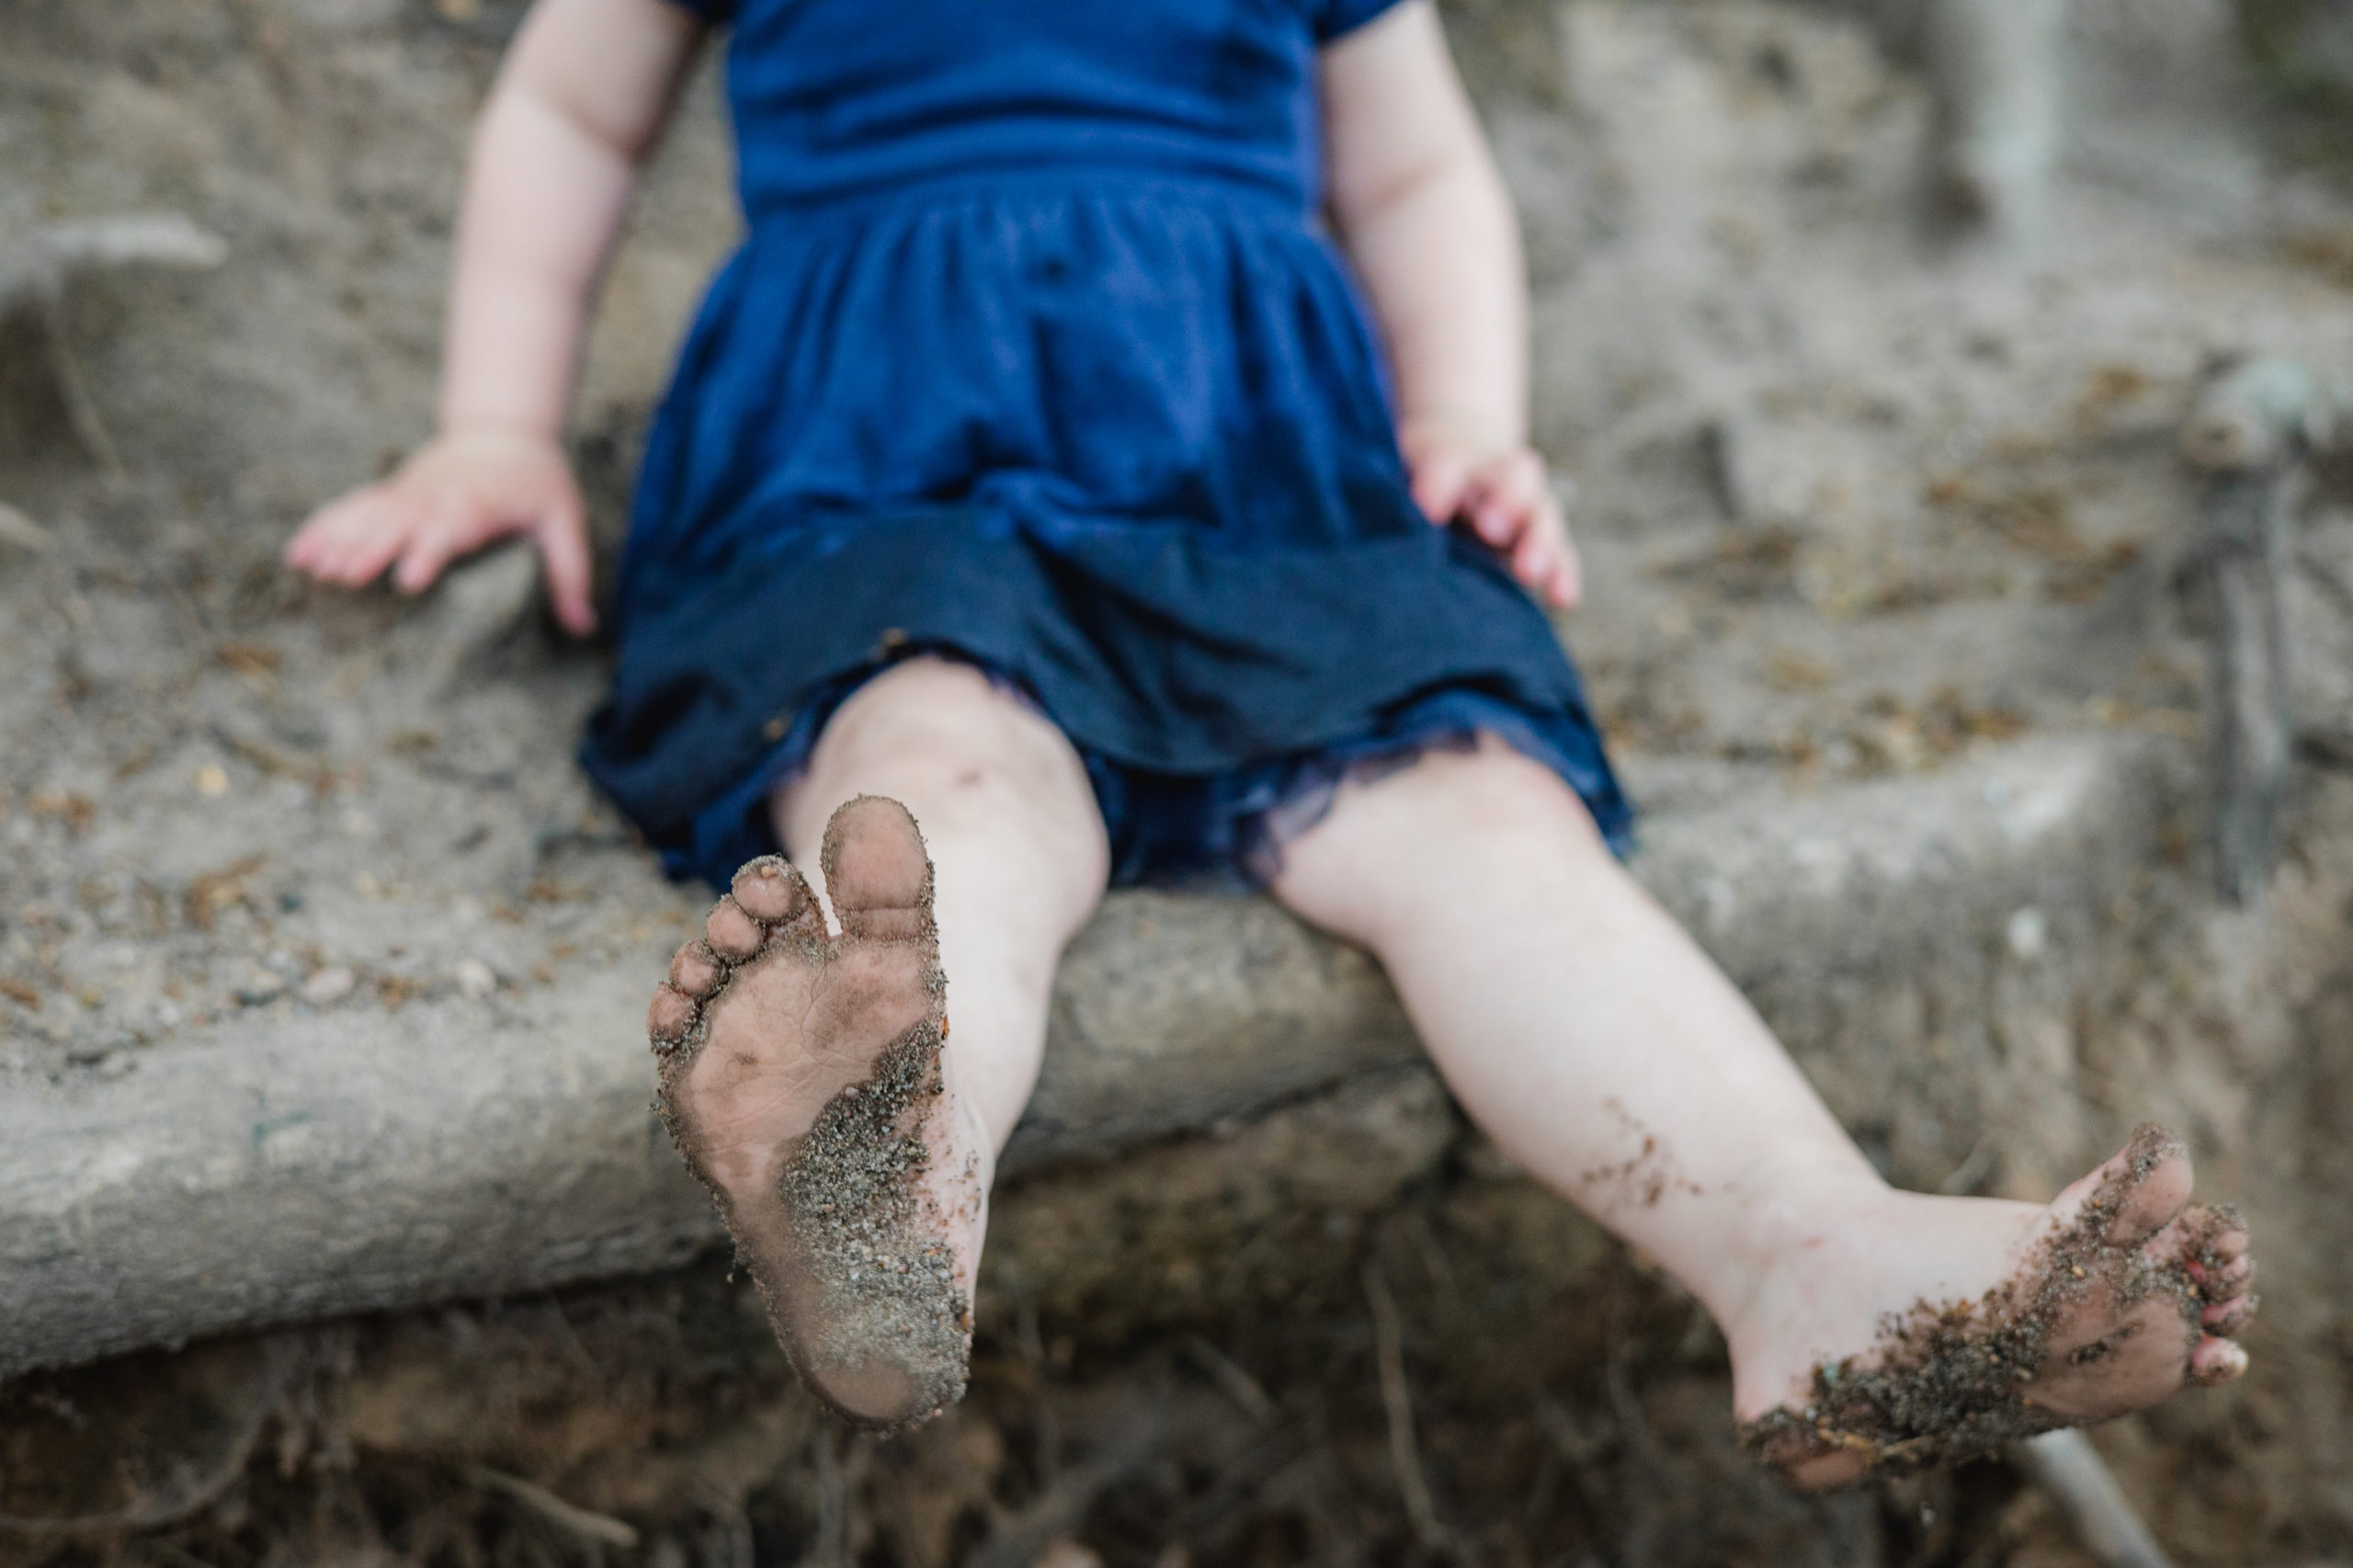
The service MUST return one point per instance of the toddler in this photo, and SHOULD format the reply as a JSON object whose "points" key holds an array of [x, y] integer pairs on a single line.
{"points": [[1109, 450]]}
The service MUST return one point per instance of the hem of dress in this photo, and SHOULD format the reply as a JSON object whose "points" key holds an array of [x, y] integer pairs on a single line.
{"points": [[1276, 801]]}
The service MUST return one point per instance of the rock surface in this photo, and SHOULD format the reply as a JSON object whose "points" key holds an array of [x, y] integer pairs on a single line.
{"points": [[275, 1169]]}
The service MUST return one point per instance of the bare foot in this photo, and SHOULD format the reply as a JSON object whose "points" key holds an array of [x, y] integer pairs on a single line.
{"points": [[801, 1079], [2019, 1319]]}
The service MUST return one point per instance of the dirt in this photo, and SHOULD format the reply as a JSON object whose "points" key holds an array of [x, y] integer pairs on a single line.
{"points": [[1949, 1380], [1643, 1177], [874, 1236]]}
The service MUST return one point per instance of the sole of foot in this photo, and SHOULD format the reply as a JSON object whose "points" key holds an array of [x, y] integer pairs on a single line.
{"points": [[2109, 1300], [801, 1080]]}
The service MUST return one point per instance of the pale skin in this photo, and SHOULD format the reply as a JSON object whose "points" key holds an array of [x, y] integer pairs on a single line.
{"points": [[1572, 1018]]}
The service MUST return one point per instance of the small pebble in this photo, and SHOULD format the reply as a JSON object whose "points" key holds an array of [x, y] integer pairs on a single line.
{"points": [[329, 985], [259, 986], [474, 978]]}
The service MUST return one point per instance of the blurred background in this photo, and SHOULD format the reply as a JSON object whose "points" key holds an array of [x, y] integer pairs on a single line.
{"points": [[1956, 395]]}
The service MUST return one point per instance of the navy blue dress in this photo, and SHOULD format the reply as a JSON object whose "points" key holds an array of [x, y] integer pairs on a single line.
{"points": [[1036, 356]]}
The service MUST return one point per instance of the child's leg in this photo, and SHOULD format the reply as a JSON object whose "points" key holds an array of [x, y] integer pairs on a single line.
{"points": [[1604, 1051], [804, 1091]]}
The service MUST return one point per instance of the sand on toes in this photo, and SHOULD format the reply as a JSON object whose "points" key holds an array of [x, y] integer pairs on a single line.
{"points": [[801, 1079], [2123, 1292]]}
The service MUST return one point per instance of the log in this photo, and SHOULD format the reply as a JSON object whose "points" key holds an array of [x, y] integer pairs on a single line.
{"points": [[263, 1171]]}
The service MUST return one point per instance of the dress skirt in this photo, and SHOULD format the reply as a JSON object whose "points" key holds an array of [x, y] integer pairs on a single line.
{"points": [[1124, 443]]}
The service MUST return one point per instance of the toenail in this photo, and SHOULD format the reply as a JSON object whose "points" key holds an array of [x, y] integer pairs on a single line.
{"points": [[764, 892]]}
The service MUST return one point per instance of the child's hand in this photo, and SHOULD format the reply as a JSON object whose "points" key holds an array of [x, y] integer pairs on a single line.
{"points": [[459, 493], [1502, 493]]}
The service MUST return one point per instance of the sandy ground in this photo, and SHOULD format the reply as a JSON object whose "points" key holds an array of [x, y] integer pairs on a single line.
{"points": [[1855, 501]]}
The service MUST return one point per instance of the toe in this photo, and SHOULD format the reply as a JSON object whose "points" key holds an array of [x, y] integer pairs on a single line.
{"points": [[2231, 1279], [732, 935], [769, 890], [695, 970], [877, 872], [2140, 1191], [2214, 1237], [2216, 1361], [671, 1016], [2229, 1317], [1828, 1472]]}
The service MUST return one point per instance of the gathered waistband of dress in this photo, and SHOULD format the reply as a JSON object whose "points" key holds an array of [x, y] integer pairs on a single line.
{"points": [[1107, 184]]}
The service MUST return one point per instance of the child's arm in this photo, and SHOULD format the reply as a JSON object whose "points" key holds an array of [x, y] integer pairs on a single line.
{"points": [[579, 104], [1424, 215]]}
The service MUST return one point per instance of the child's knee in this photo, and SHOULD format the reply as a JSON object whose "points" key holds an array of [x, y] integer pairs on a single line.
{"points": [[1491, 797], [961, 752], [933, 715]]}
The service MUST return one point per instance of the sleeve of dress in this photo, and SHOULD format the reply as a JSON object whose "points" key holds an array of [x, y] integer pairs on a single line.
{"points": [[718, 13], [1333, 18]]}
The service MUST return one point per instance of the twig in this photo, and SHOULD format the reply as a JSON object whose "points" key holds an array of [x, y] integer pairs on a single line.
{"points": [[585, 1523], [729, 1539], [1238, 1384], [2066, 1466], [832, 1550], [1063, 1506], [1049, 1424], [1243, 1475], [278, 1364], [1971, 1169], [1397, 1400], [81, 408], [22, 531]]}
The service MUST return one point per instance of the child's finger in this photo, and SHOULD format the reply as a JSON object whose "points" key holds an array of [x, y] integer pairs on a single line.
{"points": [[1517, 481], [563, 538], [303, 546], [364, 543], [1568, 577], [321, 542], [1441, 484], [444, 536], [1511, 496], [1499, 522], [1533, 562], [1563, 583], [380, 536]]}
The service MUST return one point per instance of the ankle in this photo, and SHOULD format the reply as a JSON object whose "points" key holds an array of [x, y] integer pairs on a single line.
{"points": [[1792, 1223]]}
